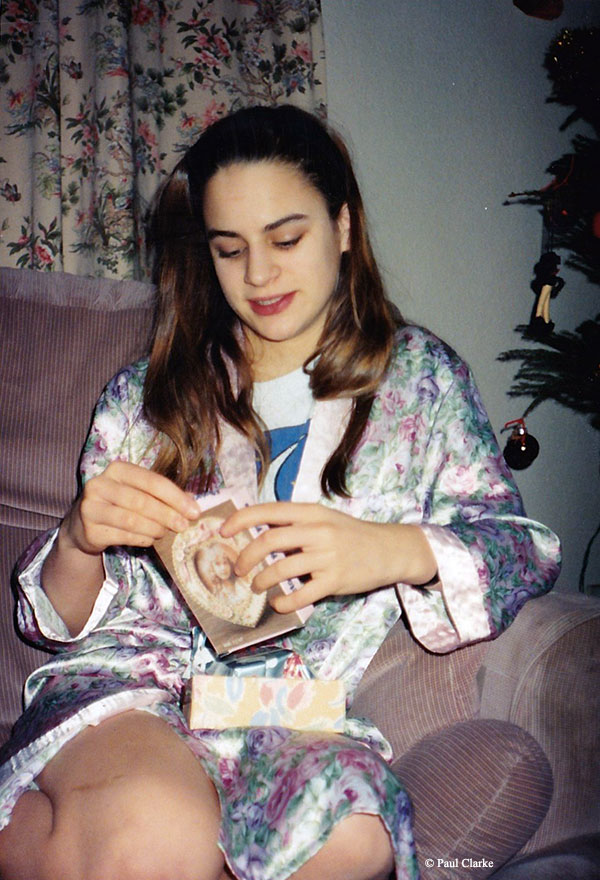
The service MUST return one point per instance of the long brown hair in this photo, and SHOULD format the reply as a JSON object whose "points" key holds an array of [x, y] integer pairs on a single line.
{"points": [[198, 371]]}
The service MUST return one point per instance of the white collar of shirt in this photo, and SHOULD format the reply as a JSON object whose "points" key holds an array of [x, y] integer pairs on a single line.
{"points": [[286, 400]]}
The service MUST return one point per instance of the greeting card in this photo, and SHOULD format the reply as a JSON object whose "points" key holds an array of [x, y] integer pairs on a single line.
{"points": [[201, 563]]}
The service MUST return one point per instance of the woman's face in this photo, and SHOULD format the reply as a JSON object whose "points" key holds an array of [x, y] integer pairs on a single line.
{"points": [[277, 253]]}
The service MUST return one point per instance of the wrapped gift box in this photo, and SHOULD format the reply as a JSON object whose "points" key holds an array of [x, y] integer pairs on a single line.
{"points": [[219, 702]]}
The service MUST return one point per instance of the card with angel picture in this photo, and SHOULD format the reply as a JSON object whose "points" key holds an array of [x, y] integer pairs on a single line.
{"points": [[201, 562]]}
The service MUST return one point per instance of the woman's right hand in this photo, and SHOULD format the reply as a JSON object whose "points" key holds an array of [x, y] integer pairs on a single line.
{"points": [[127, 504]]}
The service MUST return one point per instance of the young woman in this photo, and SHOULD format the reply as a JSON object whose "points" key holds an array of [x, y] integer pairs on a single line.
{"points": [[277, 367]]}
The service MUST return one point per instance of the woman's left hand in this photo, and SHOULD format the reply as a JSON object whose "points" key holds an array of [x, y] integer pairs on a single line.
{"points": [[337, 553]]}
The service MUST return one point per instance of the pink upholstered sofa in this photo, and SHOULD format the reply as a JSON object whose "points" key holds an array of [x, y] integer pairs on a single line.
{"points": [[497, 743]]}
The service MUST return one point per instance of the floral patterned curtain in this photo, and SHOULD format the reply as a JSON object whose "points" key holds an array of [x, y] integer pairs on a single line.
{"points": [[98, 98]]}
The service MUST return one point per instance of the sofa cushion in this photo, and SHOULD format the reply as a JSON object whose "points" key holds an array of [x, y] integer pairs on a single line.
{"points": [[62, 338], [479, 789]]}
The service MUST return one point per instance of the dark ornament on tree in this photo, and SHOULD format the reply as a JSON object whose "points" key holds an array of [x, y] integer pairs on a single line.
{"points": [[546, 9], [546, 285], [521, 447]]}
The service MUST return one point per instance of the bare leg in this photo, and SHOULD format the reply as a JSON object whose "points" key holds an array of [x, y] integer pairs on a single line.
{"points": [[126, 800], [358, 849], [22, 844]]}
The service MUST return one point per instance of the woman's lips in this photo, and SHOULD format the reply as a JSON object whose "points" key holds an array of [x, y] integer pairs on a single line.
{"points": [[271, 305]]}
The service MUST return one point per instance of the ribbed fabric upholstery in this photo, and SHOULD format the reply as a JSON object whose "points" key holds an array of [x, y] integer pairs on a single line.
{"points": [[409, 692], [575, 859], [556, 708], [92, 341], [17, 659], [62, 338], [479, 789], [549, 684]]}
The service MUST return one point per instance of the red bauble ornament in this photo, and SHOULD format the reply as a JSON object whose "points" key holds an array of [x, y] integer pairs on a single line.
{"points": [[596, 224], [521, 448]]}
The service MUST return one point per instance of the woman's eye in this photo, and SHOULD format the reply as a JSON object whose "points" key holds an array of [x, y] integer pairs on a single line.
{"points": [[288, 243], [228, 255]]}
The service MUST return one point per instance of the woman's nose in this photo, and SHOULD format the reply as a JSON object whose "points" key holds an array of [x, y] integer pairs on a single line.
{"points": [[261, 266]]}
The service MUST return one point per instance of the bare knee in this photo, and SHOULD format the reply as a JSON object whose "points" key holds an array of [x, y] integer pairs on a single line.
{"points": [[164, 837], [158, 833], [367, 844], [359, 848], [137, 854], [140, 856], [24, 839], [155, 834], [131, 802]]}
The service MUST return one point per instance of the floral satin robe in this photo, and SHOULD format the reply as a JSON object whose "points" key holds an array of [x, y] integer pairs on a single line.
{"points": [[428, 456]]}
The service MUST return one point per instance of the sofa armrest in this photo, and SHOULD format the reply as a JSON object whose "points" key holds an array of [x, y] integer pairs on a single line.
{"points": [[542, 674], [479, 789]]}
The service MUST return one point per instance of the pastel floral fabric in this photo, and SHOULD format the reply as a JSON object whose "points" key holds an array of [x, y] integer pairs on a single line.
{"points": [[428, 456], [98, 99]]}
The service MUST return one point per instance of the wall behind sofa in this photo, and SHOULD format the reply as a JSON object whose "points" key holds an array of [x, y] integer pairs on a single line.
{"points": [[443, 102]]}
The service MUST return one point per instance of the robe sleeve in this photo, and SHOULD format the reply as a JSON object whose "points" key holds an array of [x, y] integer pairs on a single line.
{"points": [[491, 557], [112, 436]]}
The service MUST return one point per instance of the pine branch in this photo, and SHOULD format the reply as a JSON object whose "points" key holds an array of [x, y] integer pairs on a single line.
{"points": [[566, 369]]}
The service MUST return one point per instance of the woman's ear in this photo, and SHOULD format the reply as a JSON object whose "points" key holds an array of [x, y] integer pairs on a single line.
{"points": [[343, 225]]}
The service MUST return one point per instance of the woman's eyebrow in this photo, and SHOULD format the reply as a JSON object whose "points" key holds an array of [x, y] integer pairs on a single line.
{"points": [[227, 233], [218, 233], [288, 219]]}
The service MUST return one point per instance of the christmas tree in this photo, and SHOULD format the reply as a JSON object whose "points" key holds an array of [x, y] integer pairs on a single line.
{"points": [[565, 365]]}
